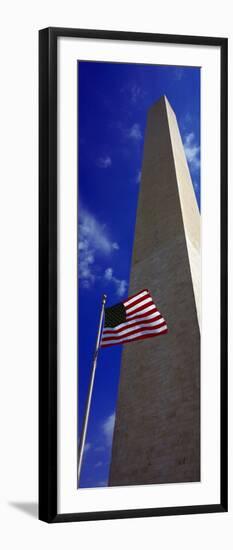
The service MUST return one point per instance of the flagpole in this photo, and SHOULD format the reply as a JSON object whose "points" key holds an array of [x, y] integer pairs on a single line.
{"points": [[89, 396]]}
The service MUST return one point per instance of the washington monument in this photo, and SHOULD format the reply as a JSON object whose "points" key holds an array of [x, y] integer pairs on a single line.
{"points": [[157, 429]]}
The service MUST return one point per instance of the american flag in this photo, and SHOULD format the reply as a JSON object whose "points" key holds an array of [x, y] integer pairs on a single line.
{"points": [[135, 319]]}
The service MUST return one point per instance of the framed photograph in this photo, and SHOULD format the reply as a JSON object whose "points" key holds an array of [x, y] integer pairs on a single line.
{"points": [[133, 275]]}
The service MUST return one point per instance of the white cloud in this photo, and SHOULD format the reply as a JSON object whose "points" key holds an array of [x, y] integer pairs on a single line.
{"points": [[108, 273], [104, 162], [103, 483], [100, 449], [108, 427], [120, 284], [98, 464], [94, 241], [196, 186], [188, 118], [135, 132], [93, 233], [121, 287], [137, 93], [185, 122], [192, 151], [178, 73], [138, 176], [95, 244], [134, 91]]}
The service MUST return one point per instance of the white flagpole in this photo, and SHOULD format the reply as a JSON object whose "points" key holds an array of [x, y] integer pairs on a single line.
{"points": [[89, 396]]}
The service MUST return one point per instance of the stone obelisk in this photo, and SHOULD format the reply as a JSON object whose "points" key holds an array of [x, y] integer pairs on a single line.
{"points": [[157, 429]]}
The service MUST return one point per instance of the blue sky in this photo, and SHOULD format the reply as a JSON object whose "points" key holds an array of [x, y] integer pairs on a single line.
{"points": [[113, 100]]}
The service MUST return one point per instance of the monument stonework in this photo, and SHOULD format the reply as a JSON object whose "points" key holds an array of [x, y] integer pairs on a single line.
{"points": [[157, 428]]}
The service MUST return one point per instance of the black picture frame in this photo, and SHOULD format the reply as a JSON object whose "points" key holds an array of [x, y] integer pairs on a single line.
{"points": [[48, 275]]}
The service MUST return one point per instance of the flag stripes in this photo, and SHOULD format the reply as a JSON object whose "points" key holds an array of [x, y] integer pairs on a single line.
{"points": [[142, 312], [133, 329], [135, 297], [140, 304], [134, 319], [135, 322], [133, 337]]}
